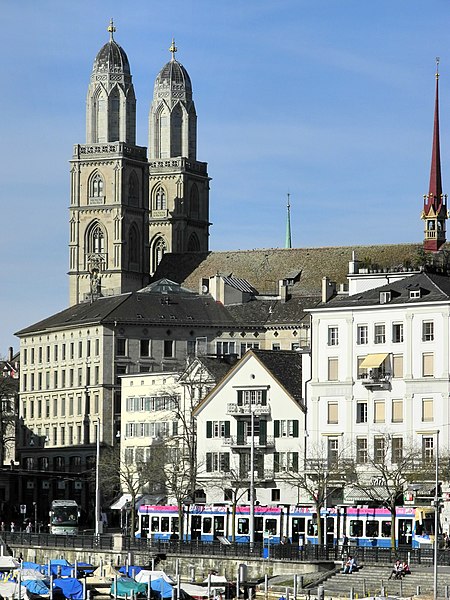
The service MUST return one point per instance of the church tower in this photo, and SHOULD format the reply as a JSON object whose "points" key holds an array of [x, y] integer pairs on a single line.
{"points": [[109, 186], [434, 211], [178, 183]]}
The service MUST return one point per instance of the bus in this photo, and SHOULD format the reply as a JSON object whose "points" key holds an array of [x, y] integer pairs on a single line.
{"points": [[64, 515]]}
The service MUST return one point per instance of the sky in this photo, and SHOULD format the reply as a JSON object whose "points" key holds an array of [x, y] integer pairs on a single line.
{"points": [[329, 100]]}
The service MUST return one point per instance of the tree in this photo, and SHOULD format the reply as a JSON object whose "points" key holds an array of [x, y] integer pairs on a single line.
{"points": [[117, 473], [9, 388], [237, 486], [383, 473], [319, 479]]}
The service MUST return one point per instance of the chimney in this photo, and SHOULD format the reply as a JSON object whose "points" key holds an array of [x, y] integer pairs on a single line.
{"points": [[328, 289], [10, 353], [282, 290], [353, 265]]}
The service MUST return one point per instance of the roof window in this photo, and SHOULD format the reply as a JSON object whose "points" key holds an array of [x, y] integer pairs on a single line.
{"points": [[385, 297]]}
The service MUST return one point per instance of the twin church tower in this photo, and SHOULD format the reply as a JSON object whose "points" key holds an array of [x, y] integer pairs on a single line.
{"points": [[127, 209]]}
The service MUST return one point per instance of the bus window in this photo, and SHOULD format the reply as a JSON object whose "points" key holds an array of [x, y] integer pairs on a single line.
{"points": [[243, 526], [271, 526], [207, 525], [356, 528], [372, 528], [165, 524], [385, 529], [175, 527], [155, 524]]}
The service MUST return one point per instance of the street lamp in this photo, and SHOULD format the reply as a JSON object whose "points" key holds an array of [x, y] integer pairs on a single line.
{"points": [[252, 477], [98, 519]]}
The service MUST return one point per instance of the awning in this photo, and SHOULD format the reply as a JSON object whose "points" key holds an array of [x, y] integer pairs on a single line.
{"points": [[120, 503], [373, 361]]}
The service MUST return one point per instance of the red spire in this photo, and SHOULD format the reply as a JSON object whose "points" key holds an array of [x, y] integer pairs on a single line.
{"points": [[435, 190]]}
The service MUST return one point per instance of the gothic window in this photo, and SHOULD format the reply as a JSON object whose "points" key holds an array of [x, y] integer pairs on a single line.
{"points": [[193, 244], [114, 115], [194, 202], [133, 244], [133, 189], [96, 186], [159, 248], [176, 131], [160, 202], [96, 239]]}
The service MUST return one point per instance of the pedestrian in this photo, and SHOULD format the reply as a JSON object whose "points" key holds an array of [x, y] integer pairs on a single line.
{"points": [[28, 528], [13, 526], [2, 526]]}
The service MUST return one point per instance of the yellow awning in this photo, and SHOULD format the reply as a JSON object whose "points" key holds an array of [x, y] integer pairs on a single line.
{"points": [[373, 361]]}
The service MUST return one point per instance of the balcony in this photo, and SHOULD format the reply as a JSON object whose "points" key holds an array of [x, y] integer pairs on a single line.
{"points": [[376, 379], [236, 410], [246, 442], [261, 475]]}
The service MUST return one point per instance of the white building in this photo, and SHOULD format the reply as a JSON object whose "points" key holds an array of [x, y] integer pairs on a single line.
{"points": [[264, 387]]}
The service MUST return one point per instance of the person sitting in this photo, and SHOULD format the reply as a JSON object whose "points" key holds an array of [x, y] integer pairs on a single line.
{"points": [[397, 570], [406, 569], [350, 565]]}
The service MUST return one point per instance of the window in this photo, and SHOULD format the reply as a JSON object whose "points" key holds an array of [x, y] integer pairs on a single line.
{"points": [[380, 334], [217, 429], [96, 239], [333, 368], [361, 371], [427, 410], [248, 346], [276, 495], [379, 411], [397, 449], [379, 447], [285, 428], [80, 349], [427, 364], [144, 348], [397, 411], [397, 366], [333, 338], [372, 529], [55, 407], [427, 331], [397, 333], [224, 348], [276, 346], [333, 417], [168, 348], [160, 202], [121, 345], [96, 186], [428, 449], [361, 451], [385, 297], [362, 334], [361, 412], [333, 451], [217, 462], [285, 461], [356, 528]]}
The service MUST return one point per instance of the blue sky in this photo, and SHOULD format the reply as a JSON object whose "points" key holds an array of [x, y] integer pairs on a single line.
{"points": [[331, 100]]}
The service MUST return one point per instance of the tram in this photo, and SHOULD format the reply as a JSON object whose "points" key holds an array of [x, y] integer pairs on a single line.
{"points": [[363, 526]]}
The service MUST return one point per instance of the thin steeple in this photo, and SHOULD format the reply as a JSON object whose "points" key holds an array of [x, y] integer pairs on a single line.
{"points": [[288, 243], [435, 202]]}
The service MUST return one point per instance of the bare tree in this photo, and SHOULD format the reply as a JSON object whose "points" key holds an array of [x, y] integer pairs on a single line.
{"points": [[383, 473], [178, 480], [9, 388], [236, 485]]}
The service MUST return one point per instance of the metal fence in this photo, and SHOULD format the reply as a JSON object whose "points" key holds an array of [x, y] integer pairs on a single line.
{"points": [[85, 542]]}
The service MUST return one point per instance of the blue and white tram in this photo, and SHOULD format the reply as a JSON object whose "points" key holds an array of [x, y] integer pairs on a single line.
{"points": [[361, 525]]}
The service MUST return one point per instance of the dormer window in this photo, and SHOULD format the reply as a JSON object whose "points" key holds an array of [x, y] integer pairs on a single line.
{"points": [[385, 297], [414, 294]]}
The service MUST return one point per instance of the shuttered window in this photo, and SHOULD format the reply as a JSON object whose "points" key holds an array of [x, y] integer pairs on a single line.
{"points": [[379, 412], [427, 409], [397, 365], [428, 364], [333, 417], [397, 411], [333, 368]]}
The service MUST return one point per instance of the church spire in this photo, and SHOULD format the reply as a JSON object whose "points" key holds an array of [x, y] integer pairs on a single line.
{"points": [[288, 243], [435, 202]]}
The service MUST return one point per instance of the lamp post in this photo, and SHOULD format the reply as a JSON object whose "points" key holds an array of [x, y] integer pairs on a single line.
{"points": [[436, 520], [252, 478], [98, 519]]}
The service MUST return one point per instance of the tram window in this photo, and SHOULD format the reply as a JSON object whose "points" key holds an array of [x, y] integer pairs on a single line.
{"points": [[207, 525], [271, 526], [372, 528], [155, 523], [175, 527], [243, 526], [386, 529], [312, 528], [165, 524], [356, 528], [144, 522]]}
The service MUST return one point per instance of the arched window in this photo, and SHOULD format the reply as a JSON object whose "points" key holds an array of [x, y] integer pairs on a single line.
{"points": [[114, 115], [43, 463], [133, 244], [90, 462], [176, 131], [193, 243], [59, 463], [96, 187], [194, 202], [133, 189], [160, 202], [75, 463], [158, 251], [96, 239]]}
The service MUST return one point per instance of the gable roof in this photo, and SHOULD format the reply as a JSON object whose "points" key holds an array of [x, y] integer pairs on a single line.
{"points": [[265, 267]]}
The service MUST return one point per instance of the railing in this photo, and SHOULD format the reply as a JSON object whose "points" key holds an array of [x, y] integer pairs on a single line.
{"points": [[374, 378], [248, 409], [246, 441], [85, 542]]}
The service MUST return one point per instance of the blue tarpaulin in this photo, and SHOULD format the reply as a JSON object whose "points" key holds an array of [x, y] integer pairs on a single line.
{"points": [[71, 588], [30, 565], [36, 586], [132, 569], [161, 587]]}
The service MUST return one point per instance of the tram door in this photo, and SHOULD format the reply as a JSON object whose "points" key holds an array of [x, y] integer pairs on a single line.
{"points": [[259, 529], [196, 527], [219, 526], [298, 530], [329, 535], [404, 532]]}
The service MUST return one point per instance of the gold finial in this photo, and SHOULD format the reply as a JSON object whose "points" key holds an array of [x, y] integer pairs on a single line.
{"points": [[173, 48], [437, 66], [111, 29]]}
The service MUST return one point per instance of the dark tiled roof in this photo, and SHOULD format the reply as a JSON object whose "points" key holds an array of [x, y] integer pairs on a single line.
{"points": [[141, 307], [270, 313], [433, 287], [218, 367], [286, 367], [264, 268]]}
